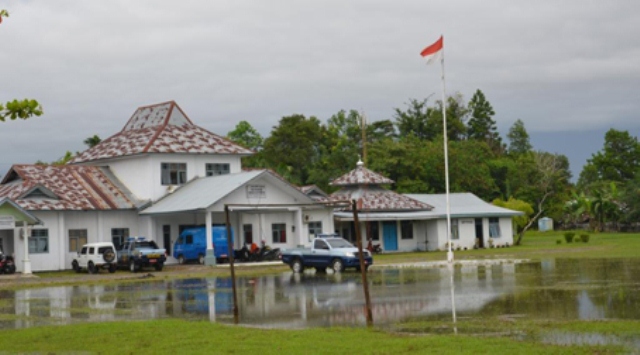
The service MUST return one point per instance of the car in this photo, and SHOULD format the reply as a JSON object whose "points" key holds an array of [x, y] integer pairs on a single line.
{"points": [[139, 252], [327, 251], [96, 256]]}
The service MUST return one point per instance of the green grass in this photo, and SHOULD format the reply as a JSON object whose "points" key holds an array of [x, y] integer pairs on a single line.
{"points": [[535, 246], [185, 337]]}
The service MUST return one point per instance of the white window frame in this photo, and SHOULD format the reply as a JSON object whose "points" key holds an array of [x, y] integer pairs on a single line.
{"points": [[455, 230], [494, 227], [213, 169], [173, 173], [79, 237], [36, 241]]}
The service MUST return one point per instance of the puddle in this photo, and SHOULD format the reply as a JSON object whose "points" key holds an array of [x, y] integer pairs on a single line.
{"points": [[551, 289]]}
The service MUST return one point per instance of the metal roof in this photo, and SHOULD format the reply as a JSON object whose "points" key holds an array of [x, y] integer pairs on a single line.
{"points": [[361, 176], [160, 128], [202, 193], [461, 205], [58, 188]]}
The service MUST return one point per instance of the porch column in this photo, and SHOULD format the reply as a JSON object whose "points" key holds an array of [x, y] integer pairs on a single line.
{"points": [[301, 233], [210, 258], [26, 263]]}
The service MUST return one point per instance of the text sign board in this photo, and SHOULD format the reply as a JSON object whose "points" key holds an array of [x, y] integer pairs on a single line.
{"points": [[256, 191]]}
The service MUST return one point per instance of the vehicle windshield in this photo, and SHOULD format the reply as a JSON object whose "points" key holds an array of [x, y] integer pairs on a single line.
{"points": [[147, 244], [339, 243]]}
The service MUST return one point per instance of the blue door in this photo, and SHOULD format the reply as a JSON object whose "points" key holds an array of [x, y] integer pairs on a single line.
{"points": [[390, 236]]}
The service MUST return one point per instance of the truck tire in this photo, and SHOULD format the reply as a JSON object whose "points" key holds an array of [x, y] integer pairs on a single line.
{"points": [[112, 268], [337, 265], [181, 260], [132, 266], [296, 266], [109, 256], [91, 268], [75, 266], [201, 259]]}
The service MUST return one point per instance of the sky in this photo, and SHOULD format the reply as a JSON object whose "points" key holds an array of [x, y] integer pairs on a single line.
{"points": [[568, 69]]}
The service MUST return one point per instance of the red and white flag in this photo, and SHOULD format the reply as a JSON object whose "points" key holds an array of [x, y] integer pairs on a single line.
{"points": [[434, 51]]}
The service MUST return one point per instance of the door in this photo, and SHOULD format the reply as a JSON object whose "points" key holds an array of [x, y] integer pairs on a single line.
{"points": [[479, 233], [390, 236]]}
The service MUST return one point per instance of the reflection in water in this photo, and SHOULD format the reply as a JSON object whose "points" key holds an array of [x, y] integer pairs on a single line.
{"points": [[559, 289]]}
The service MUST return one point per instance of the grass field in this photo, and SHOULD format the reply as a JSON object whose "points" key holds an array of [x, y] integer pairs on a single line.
{"points": [[500, 335]]}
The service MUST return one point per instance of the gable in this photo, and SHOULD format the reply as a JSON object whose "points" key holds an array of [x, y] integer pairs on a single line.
{"points": [[38, 192]]}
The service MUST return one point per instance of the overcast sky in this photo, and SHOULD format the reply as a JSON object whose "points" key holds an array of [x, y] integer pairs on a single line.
{"points": [[569, 69]]}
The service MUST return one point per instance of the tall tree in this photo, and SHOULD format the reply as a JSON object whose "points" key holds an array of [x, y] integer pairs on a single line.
{"points": [[457, 113], [415, 120], [519, 139], [294, 147], [619, 159], [247, 136], [92, 141], [481, 125]]}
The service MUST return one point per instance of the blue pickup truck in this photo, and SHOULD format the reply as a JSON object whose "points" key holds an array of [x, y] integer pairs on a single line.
{"points": [[326, 252]]}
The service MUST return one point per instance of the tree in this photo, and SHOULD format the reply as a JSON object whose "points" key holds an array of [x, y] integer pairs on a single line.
{"points": [[619, 159], [548, 180], [518, 139], [416, 120], [92, 141], [294, 147], [481, 125], [520, 222], [21, 109], [247, 136]]}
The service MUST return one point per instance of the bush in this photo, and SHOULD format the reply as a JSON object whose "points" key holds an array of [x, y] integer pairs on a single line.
{"points": [[568, 236], [559, 241], [584, 238]]}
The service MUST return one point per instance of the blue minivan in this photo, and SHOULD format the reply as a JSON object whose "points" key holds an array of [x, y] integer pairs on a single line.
{"points": [[192, 244]]}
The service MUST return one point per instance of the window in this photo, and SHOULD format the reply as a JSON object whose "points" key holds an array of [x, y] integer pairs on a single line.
{"points": [[406, 228], [39, 241], [315, 228], [77, 238], [494, 227], [174, 173], [118, 236], [279, 233], [320, 244], [455, 232], [373, 230], [217, 169], [248, 233]]}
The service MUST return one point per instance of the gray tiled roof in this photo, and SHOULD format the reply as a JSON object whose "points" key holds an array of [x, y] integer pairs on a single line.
{"points": [[47, 187], [161, 128]]}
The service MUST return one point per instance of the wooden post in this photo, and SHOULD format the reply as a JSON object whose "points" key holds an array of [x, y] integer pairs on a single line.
{"points": [[363, 268], [231, 260]]}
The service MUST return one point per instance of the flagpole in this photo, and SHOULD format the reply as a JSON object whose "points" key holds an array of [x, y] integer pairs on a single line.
{"points": [[446, 160]]}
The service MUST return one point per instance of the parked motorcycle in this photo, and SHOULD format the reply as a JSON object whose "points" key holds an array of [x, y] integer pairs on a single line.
{"points": [[261, 254], [7, 265]]}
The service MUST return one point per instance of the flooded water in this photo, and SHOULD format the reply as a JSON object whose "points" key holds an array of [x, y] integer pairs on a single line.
{"points": [[551, 289]]}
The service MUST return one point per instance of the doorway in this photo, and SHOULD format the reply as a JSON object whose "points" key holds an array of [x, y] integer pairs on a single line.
{"points": [[479, 233]]}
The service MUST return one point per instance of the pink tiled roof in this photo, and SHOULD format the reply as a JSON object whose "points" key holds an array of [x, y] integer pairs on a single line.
{"points": [[361, 176], [161, 128], [378, 199], [65, 188]]}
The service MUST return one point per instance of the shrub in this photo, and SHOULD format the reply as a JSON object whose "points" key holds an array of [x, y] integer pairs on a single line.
{"points": [[559, 241], [576, 239], [584, 238], [568, 236]]}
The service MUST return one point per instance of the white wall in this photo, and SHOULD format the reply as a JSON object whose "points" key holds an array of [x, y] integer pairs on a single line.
{"points": [[142, 174]]}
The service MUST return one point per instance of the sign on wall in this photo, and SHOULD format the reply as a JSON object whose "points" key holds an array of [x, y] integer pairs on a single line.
{"points": [[256, 191], [7, 222]]}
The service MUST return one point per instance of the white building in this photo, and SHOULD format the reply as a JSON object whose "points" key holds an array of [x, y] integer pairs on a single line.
{"points": [[161, 173], [419, 221]]}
